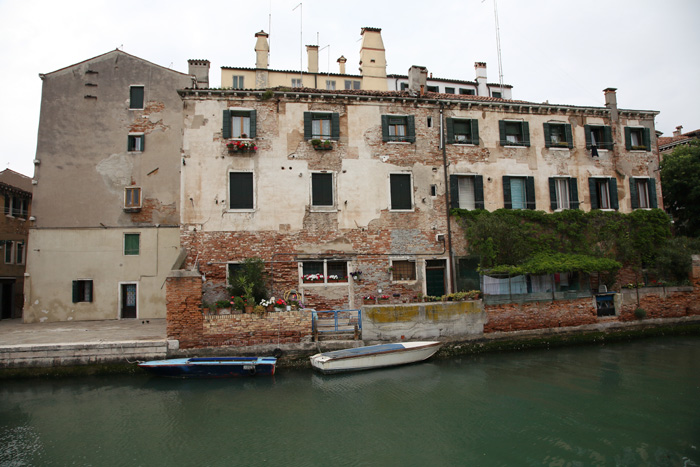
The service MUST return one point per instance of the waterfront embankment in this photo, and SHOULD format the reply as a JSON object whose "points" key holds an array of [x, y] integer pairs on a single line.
{"points": [[104, 347]]}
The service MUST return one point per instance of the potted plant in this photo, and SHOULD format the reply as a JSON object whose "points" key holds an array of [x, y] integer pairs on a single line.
{"points": [[384, 298], [356, 275], [280, 304], [321, 145], [369, 299], [313, 278], [241, 146], [268, 304], [223, 307]]}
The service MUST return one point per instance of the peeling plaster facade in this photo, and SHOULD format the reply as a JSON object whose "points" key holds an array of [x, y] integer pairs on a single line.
{"points": [[85, 161], [360, 230]]}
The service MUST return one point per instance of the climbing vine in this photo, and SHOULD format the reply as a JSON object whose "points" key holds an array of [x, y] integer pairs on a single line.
{"points": [[535, 242]]}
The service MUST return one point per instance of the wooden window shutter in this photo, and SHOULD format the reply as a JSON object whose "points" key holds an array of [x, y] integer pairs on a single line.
{"points": [[449, 124], [652, 193], [547, 139], [507, 202], [411, 128], [385, 128], [76, 292], [526, 133], [573, 194], [475, 131], [594, 194], [502, 133], [241, 190], [647, 139], [335, 126], [607, 137], [587, 133], [253, 124], [628, 138], [400, 191], [530, 192], [226, 127], [633, 188], [308, 118], [322, 189], [569, 135], [454, 191], [552, 192], [612, 186], [478, 192]]}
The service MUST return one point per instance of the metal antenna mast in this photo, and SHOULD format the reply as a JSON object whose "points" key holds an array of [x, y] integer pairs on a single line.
{"points": [[301, 42], [498, 45]]}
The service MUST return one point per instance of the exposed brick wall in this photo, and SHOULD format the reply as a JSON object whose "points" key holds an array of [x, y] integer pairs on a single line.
{"points": [[183, 299], [241, 330], [674, 305], [539, 315]]}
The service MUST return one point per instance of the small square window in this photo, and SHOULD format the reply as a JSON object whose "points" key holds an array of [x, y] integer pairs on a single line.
{"points": [[82, 291], [132, 244], [132, 198], [238, 82], [136, 99], [449, 90], [330, 85], [557, 135], [514, 133], [467, 92], [324, 272], [637, 139], [404, 86], [433, 88], [462, 131], [403, 270], [136, 143], [398, 128], [496, 94], [296, 82], [239, 124]]}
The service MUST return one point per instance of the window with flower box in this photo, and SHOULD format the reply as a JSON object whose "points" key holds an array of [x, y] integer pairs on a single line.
{"points": [[239, 123], [637, 139], [558, 135], [398, 128], [324, 272], [321, 125]]}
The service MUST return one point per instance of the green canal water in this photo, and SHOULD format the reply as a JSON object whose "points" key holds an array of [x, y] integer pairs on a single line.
{"points": [[634, 403]]}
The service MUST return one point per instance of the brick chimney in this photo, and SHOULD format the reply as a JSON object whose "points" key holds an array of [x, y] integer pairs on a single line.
{"points": [[200, 70], [341, 64], [373, 60], [611, 102], [417, 79], [262, 49], [312, 58]]}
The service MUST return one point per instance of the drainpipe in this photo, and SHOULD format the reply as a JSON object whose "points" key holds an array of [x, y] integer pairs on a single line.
{"points": [[447, 202]]}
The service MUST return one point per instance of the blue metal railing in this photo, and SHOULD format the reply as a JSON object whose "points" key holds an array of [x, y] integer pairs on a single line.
{"points": [[336, 321]]}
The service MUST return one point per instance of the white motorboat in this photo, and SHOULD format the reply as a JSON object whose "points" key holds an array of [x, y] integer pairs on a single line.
{"points": [[374, 356]]}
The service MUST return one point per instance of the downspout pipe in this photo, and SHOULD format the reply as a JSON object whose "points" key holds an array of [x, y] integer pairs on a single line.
{"points": [[443, 138]]}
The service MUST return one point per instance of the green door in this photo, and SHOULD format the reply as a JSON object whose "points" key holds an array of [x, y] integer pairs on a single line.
{"points": [[435, 277], [468, 274]]}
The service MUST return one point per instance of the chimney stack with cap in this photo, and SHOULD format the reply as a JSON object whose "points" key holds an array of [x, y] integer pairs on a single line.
{"points": [[312, 58], [200, 70], [341, 64], [611, 102], [482, 88], [373, 60], [678, 131], [262, 49]]}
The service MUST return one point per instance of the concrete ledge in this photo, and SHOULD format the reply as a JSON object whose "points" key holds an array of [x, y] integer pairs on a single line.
{"points": [[84, 353]]}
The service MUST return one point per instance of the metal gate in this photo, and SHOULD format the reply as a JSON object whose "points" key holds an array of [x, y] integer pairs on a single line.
{"points": [[338, 323]]}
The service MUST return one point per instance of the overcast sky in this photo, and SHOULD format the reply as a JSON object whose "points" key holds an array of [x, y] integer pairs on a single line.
{"points": [[564, 52]]}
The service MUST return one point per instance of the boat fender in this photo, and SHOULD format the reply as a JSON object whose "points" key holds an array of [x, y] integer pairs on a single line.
{"points": [[277, 353], [251, 371]]}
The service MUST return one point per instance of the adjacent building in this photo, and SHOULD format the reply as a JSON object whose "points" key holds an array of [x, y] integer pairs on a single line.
{"points": [[16, 191], [105, 229]]}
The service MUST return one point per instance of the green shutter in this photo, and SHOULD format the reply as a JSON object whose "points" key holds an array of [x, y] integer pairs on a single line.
{"points": [[143, 142], [475, 131], [633, 188], [241, 190], [478, 192], [594, 195], [454, 191], [628, 138], [322, 189], [526, 133], [335, 126], [530, 193], [547, 137], [607, 137], [569, 135], [552, 193], [131, 244], [613, 193], [647, 139], [253, 123], [226, 126], [652, 192], [449, 124], [573, 194], [507, 202], [385, 128], [411, 128], [502, 132], [308, 125], [400, 191], [76, 292], [587, 133]]}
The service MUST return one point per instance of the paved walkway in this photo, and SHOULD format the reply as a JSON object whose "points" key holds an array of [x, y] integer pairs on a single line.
{"points": [[14, 332]]}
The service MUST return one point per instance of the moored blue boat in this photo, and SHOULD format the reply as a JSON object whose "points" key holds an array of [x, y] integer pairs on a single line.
{"points": [[211, 367]]}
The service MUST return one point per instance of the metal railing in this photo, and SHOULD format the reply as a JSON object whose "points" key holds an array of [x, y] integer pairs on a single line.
{"points": [[337, 321]]}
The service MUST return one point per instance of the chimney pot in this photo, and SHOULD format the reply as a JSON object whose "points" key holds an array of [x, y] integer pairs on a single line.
{"points": [[678, 131]]}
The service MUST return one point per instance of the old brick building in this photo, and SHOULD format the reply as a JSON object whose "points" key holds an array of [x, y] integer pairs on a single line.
{"points": [[16, 191]]}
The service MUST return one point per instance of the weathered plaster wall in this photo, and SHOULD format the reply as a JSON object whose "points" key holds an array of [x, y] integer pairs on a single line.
{"points": [[58, 257]]}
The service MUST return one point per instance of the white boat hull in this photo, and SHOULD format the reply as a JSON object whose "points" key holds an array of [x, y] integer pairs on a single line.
{"points": [[374, 356]]}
